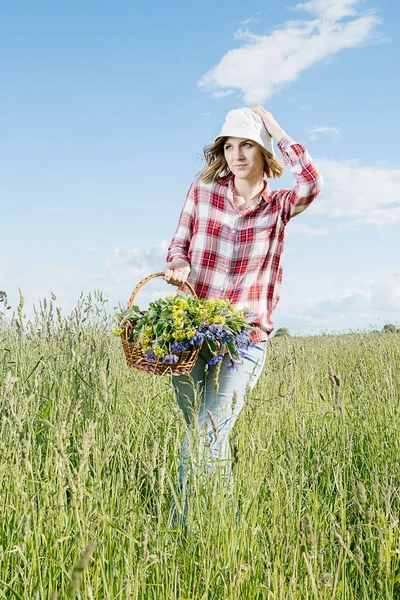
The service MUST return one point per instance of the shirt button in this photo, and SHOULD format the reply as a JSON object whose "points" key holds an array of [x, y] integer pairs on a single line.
{"points": [[226, 270], [233, 230]]}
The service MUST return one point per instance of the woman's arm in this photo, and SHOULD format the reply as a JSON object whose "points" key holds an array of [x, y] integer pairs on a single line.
{"points": [[177, 269], [309, 181]]}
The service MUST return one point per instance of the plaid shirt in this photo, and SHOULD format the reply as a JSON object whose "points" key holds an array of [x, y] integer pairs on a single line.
{"points": [[236, 253]]}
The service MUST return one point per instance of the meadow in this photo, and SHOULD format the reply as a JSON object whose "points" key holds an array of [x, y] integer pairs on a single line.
{"points": [[89, 456]]}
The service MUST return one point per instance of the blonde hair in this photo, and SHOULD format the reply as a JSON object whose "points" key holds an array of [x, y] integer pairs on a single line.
{"points": [[216, 166]]}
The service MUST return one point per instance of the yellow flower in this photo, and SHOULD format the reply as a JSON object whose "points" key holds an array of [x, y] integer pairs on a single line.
{"points": [[181, 303], [118, 331], [179, 335], [222, 302], [177, 314], [219, 320], [159, 352], [146, 344]]}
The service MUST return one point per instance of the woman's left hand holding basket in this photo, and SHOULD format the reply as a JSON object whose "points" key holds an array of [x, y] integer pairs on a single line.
{"points": [[176, 272]]}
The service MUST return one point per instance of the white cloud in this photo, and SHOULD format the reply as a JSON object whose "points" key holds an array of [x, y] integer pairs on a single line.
{"points": [[117, 277], [333, 10], [266, 63], [251, 19], [314, 132], [356, 303], [369, 195], [38, 278], [222, 93], [127, 268], [375, 298], [136, 263]]}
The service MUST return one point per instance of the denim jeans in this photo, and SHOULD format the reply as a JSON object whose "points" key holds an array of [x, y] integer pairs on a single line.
{"points": [[214, 393]]}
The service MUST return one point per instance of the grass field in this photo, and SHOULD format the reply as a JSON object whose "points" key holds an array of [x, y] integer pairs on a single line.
{"points": [[89, 455]]}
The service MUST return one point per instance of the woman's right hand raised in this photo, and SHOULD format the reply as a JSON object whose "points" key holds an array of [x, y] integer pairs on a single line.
{"points": [[177, 272]]}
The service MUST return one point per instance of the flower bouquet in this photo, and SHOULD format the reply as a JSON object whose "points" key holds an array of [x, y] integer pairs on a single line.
{"points": [[175, 327]]}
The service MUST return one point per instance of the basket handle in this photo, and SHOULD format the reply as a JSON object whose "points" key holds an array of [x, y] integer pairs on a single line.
{"points": [[146, 279]]}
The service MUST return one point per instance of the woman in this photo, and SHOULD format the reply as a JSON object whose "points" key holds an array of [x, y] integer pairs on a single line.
{"points": [[228, 244]]}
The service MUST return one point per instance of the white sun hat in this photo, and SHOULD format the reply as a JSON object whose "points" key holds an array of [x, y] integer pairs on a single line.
{"points": [[244, 123]]}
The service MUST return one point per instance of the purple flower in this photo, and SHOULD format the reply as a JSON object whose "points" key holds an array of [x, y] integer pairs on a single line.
{"points": [[225, 336], [214, 332], [178, 346], [242, 340], [150, 356], [215, 360], [170, 359], [215, 329], [249, 313], [197, 339]]}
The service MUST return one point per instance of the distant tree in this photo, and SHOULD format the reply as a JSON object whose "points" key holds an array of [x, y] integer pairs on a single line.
{"points": [[282, 332], [390, 328]]}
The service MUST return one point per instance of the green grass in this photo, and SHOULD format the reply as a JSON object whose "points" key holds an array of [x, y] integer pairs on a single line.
{"points": [[89, 454]]}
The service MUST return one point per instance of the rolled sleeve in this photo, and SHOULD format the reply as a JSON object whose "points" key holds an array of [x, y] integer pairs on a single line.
{"points": [[309, 180]]}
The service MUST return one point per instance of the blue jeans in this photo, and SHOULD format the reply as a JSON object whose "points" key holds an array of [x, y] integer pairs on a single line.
{"points": [[211, 399]]}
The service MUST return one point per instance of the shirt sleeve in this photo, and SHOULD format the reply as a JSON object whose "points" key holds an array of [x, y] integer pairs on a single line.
{"points": [[309, 181], [179, 246]]}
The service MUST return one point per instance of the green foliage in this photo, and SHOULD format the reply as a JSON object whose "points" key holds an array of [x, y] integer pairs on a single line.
{"points": [[390, 328], [282, 332], [183, 320], [89, 459]]}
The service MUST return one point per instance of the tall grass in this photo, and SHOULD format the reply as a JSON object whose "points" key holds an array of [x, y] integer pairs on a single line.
{"points": [[89, 454]]}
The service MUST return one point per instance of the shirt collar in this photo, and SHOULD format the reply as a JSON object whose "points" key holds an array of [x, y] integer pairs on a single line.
{"points": [[228, 181]]}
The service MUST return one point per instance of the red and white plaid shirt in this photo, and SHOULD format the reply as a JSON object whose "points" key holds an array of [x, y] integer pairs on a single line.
{"points": [[236, 253]]}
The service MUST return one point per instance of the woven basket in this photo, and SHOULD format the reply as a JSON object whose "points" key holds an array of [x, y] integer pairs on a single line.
{"points": [[134, 352]]}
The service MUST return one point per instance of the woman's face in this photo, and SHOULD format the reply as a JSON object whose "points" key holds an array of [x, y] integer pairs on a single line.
{"points": [[244, 159]]}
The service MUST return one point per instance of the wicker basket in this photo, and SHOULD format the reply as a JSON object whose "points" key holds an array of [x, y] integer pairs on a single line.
{"points": [[134, 352]]}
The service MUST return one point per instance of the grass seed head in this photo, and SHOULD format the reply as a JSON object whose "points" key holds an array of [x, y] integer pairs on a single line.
{"points": [[359, 554], [80, 566], [335, 381], [146, 554], [213, 423], [235, 452], [340, 540], [361, 493], [103, 384], [234, 400]]}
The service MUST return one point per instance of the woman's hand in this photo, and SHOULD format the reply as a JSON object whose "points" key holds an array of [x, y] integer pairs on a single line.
{"points": [[176, 272], [270, 123]]}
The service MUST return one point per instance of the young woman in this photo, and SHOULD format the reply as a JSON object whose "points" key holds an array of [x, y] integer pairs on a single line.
{"points": [[228, 244]]}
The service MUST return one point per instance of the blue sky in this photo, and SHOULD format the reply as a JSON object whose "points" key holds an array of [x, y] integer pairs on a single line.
{"points": [[105, 109]]}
